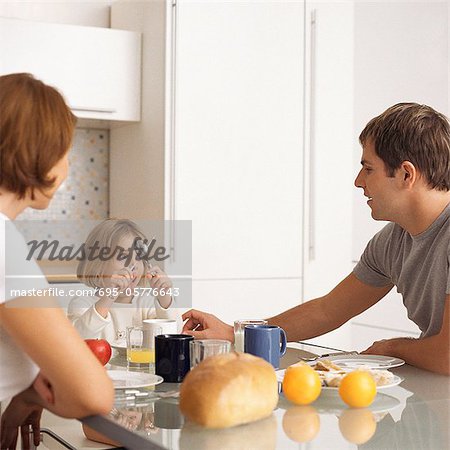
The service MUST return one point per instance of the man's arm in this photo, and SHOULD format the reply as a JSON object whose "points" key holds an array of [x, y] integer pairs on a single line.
{"points": [[324, 314], [431, 353]]}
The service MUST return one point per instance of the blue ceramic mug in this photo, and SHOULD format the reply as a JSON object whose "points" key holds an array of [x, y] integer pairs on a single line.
{"points": [[265, 341]]}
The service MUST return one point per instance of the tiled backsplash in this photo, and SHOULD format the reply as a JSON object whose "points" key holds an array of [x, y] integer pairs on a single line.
{"points": [[84, 194]]}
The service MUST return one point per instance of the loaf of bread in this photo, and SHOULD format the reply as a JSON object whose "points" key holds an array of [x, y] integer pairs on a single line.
{"points": [[228, 390]]}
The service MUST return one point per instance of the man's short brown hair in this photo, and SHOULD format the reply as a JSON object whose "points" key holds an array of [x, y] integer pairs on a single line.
{"points": [[414, 133], [36, 130]]}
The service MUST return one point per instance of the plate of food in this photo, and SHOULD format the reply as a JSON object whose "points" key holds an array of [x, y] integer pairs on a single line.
{"points": [[330, 403], [383, 379], [363, 361], [332, 374], [123, 379]]}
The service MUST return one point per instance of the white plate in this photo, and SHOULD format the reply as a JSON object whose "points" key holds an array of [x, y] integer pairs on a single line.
{"points": [[119, 345], [330, 403], [368, 361], [123, 379], [395, 381]]}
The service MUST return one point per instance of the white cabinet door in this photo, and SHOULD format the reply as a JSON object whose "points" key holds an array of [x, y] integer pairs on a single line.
{"points": [[363, 336], [245, 299], [329, 137], [96, 69], [389, 313], [238, 137]]}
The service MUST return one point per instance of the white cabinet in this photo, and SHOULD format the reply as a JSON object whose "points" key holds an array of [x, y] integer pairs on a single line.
{"points": [[363, 336], [238, 136], [328, 158], [224, 143], [329, 134], [387, 319], [96, 69], [241, 299]]}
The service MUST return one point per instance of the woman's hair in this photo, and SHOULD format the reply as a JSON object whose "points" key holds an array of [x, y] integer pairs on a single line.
{"points": [[36, 130], [414, 133], [106, 235]]}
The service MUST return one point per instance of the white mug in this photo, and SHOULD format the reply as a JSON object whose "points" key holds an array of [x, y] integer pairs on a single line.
{"points": [[168, 326]]}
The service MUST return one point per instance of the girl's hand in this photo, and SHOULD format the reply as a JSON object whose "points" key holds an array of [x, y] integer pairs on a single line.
{"points": [[121, 279], [162, 283], [118, 283]]}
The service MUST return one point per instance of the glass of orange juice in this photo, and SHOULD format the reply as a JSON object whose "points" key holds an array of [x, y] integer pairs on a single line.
{"points": [[141, 348]]}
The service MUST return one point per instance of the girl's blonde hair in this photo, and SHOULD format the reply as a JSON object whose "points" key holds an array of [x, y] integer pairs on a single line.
{"points": [[107, 234]]}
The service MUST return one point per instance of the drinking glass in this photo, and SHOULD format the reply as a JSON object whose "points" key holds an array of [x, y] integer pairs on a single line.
{"points": [[141, 348], [239, 328], [202, 348]]}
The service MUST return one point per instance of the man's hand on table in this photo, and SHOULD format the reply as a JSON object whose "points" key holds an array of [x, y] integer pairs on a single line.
{"points": [[388, 347], [382, 347], [202, 325], [20, 413]]}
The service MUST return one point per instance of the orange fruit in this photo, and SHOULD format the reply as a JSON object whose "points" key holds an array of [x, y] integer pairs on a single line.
{"points": [[358, 389], [301, 384], [357, 425], [301, 423]]}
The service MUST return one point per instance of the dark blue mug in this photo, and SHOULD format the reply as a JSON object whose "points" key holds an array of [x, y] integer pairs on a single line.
{"points": [[172, 361], [265, 341]]}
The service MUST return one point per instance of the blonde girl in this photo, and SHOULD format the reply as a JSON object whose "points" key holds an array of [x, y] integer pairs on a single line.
{"points": [[116, 279]]}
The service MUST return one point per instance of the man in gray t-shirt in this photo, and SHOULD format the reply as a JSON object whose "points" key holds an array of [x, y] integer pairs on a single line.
{"points": [[418, 265], [406, 177]]}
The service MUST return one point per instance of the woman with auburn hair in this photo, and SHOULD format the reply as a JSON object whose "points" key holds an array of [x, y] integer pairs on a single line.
{"points": [[36, 130]]}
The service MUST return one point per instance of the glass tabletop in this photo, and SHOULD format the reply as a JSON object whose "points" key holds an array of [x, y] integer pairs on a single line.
{"points": [[417, 411]]}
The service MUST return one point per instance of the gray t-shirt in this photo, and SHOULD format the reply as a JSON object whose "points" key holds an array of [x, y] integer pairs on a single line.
{"points": [[417, 265]]}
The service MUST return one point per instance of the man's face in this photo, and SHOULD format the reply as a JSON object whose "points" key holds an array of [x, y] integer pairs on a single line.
{"points": [[383, 191]]}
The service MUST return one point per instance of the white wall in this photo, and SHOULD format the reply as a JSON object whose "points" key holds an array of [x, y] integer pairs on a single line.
{"points": [[401, 55], [88, 13]]}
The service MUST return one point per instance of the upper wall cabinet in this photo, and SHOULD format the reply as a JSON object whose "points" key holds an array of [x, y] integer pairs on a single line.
{"points": [[96, 69]]}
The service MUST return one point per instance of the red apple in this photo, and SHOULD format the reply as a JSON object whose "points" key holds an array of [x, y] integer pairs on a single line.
{"points": [[100, 348]]}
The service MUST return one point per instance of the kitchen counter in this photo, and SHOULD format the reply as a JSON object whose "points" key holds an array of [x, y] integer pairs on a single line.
{"points": [[414, 414], [59, 271]]}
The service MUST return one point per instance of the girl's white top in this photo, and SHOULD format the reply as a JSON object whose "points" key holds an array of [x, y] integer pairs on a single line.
{"points": [[91, 325]]}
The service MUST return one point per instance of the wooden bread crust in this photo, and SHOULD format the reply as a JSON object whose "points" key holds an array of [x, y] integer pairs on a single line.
{"points": [[228, 390]]}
